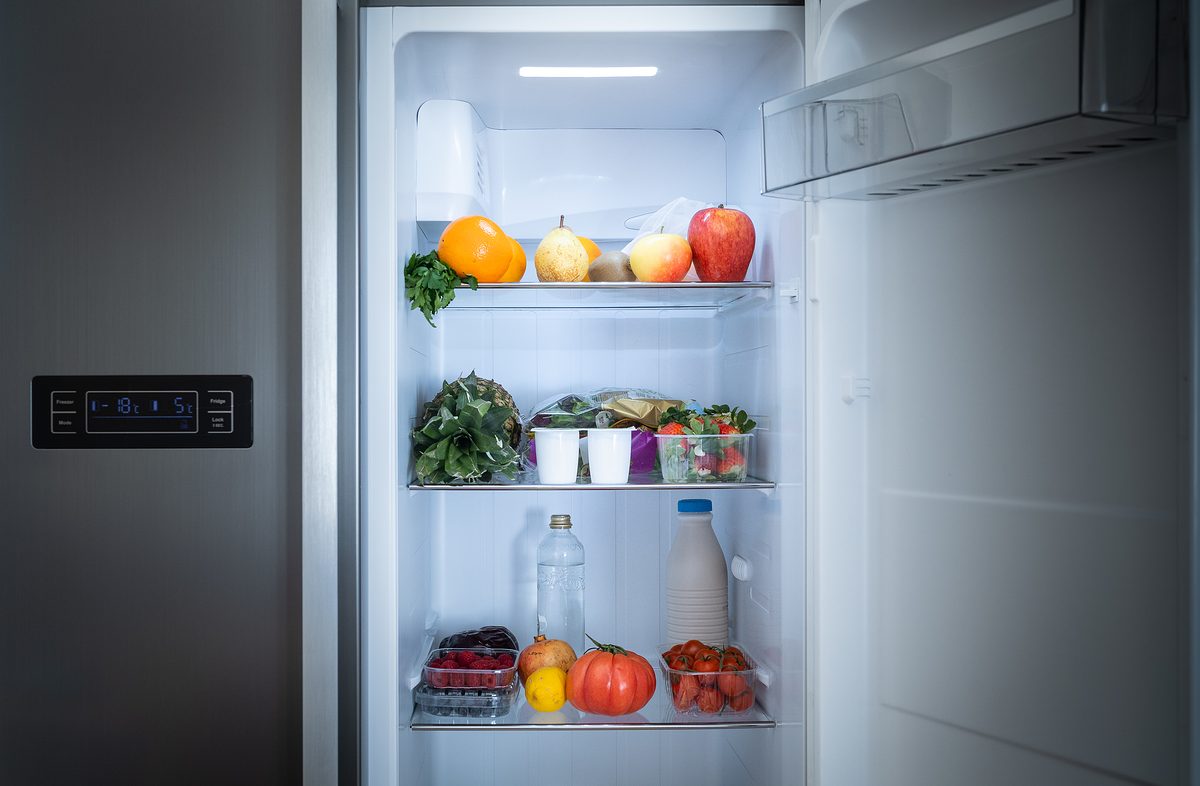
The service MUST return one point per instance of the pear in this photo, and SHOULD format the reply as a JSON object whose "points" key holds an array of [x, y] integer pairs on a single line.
{"points": [[560, 256]]}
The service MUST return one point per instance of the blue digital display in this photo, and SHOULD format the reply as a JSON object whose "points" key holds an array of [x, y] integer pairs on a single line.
{"points": [[141, 411]]}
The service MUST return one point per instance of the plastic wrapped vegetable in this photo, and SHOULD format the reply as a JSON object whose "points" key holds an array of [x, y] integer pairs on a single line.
{"points": [[497, 637]]}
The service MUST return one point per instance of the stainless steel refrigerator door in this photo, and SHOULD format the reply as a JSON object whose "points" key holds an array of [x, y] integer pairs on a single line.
{"points": [[154, 618]]}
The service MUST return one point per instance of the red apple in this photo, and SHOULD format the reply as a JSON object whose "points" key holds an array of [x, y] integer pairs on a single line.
{"points": [[661, 257], [722, 241]]}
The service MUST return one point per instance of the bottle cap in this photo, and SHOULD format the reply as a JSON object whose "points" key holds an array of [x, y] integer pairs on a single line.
{"points": [[695, 506], [560, 521]]}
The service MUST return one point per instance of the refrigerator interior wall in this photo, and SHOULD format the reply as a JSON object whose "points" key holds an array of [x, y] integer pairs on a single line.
{"points": [[468, 559]]}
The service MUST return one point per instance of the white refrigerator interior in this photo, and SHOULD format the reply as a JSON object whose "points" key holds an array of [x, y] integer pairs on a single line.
{"points": [[966, 566]]}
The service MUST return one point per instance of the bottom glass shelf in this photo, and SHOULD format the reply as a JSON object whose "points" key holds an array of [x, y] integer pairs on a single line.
{"points": [[657, 714]]}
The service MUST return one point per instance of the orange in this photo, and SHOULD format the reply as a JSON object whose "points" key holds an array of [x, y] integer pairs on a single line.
{"points": [[590, 247], [516, 268], [592, 250], [475, 246]]}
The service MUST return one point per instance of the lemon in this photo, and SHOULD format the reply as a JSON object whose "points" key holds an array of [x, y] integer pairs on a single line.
{"points": [[546, 689]]}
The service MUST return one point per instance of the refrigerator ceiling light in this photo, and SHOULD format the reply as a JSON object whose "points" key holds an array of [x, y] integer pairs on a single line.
{"points": [[587, 71]]}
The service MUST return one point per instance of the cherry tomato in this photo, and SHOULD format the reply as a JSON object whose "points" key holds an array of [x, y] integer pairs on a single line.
{"points": [[710, 700], [731, 683], [707, 652], [691, 647], [732, 663], [680, 662], [742, 702], [735, 652], [683, 695]]}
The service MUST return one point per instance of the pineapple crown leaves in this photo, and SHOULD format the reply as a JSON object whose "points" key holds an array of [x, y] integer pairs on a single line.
{"points": [[723, 413], [462, 436]]}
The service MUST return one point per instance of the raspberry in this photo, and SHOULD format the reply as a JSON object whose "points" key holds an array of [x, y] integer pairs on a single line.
{"points": [[465, 657], [482, 664], [505, 661]]}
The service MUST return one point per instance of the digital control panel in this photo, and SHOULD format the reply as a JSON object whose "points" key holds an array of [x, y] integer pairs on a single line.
{"points": [[173, 411]]}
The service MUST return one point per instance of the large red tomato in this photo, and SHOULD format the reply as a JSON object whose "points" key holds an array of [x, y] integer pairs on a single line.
{"points": [[610, 681]]}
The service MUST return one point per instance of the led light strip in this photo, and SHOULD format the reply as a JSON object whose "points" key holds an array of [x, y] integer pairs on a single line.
{"points": [[587, 71]]}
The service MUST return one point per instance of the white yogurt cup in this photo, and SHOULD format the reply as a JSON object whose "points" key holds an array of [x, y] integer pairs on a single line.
{"points": [[608, 454], [557, 455]]}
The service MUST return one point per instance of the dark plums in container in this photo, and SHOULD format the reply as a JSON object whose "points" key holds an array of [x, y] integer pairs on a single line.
{"points": [[611, 266]]}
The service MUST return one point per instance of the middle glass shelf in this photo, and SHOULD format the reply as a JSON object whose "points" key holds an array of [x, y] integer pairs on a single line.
{"points": [[645, 482]]}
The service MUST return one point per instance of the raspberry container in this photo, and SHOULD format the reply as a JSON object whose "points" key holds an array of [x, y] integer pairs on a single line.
{"points": [[709, 693], [691, 458], [464, 690]]}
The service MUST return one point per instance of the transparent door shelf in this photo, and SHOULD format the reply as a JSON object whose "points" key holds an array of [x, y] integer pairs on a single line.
{"points": [[647, 482], [535, 295], [657, 714]]}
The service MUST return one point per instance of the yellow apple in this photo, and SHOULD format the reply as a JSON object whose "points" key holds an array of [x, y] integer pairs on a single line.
{"points": [[661, 257]]}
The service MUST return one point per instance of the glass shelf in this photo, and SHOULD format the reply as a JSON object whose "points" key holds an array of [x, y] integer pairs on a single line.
{"points": [[649, 482], [535, 295], [657, 714]]}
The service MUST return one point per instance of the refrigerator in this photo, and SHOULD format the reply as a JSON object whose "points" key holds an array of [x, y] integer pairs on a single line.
{"points": [[964, 335], [965, 551]]}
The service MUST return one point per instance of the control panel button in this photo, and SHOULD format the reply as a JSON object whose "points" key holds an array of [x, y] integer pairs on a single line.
{"points": [[64, 401], [219, 422], [218, 401], [64, 423]]}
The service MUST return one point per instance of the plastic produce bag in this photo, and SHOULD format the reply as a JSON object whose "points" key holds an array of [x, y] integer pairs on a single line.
{"points": [[672, 218], [605, 408]]}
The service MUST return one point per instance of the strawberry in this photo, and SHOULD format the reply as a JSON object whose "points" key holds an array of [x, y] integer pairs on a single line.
{"points": [[673, 428], [734, 456], [725, 428], [737, 418], [705, 464], [673, 415], [729, 467]]}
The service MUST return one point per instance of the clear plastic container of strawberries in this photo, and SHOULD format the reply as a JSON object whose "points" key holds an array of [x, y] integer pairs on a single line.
{"points": [[713, 445]]}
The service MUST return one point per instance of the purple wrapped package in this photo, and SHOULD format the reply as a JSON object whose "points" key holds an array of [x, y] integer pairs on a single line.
{"points": [[642, 452]]}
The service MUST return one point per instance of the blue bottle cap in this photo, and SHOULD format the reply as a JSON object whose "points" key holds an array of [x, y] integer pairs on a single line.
{"points": [[695, 506]]}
